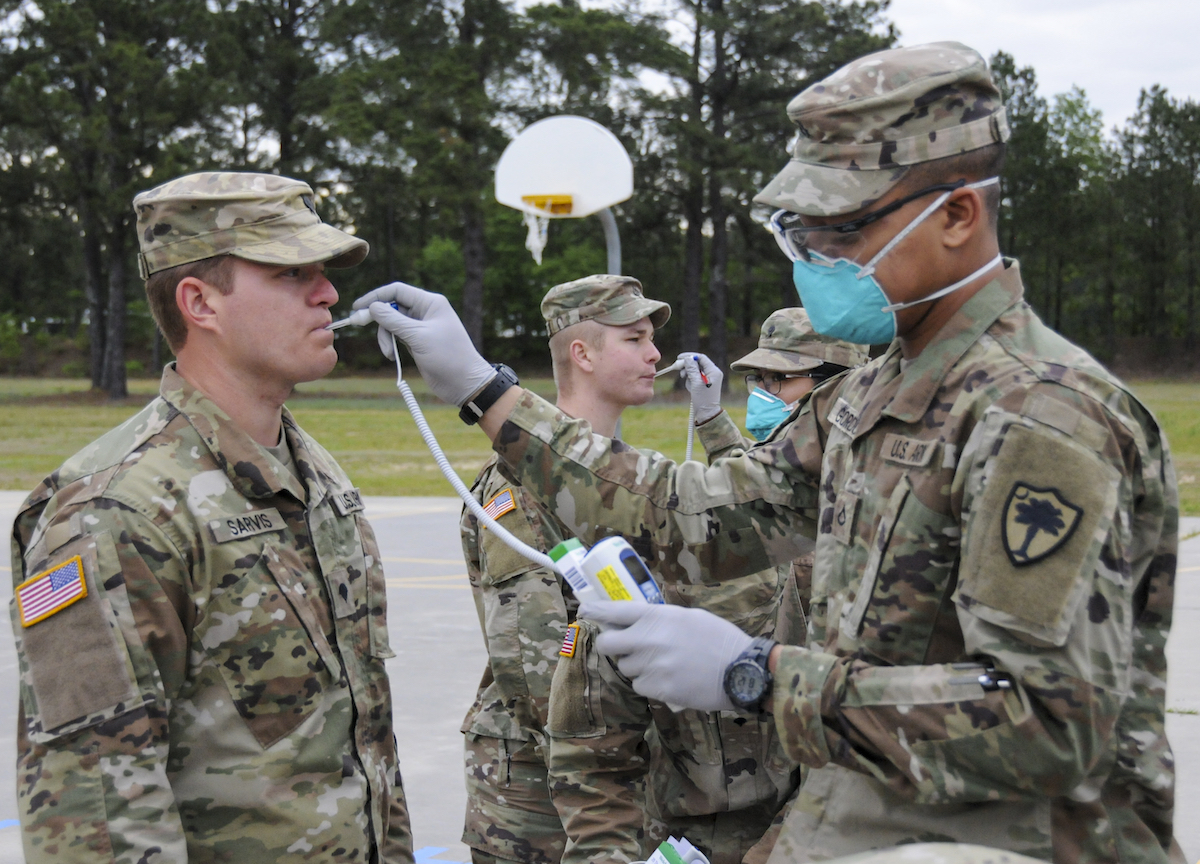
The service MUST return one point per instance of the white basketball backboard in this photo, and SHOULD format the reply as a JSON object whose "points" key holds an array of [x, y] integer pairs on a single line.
{"points": [[564, 168]]}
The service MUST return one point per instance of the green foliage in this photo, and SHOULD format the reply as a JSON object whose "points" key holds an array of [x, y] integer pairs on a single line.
{"points": [[397, 111], [10, 338]]}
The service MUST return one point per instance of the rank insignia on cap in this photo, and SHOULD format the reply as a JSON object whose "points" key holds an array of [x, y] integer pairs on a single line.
{"points": [[1037, 522], [570, 641], [501, 503], [52, 591]]}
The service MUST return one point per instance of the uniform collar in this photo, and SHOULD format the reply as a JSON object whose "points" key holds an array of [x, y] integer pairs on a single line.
{"points": [[906, 395], [253, 471], [922, 378]]}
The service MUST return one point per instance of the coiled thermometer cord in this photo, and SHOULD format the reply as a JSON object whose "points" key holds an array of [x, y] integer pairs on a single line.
{"points": [[448, 472], [363, 316]]}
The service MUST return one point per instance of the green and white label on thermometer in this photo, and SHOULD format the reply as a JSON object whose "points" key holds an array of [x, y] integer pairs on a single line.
{"points": [[610, 570]]}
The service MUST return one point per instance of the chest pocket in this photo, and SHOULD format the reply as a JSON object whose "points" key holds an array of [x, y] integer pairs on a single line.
{"points": [[260, 628], [907, 577]]}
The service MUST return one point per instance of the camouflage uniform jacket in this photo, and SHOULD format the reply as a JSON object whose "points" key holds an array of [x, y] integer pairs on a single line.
{"points": [[223, 696], [523, 611], [1000, 501], [654, 768]]}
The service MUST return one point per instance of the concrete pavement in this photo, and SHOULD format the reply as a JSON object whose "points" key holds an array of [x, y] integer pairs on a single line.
{"points": [[440, 656]]}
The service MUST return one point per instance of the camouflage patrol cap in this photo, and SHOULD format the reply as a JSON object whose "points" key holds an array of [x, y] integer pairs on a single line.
{"points": [[788, 343], [601, 298], [258, 217], [860, 128]]}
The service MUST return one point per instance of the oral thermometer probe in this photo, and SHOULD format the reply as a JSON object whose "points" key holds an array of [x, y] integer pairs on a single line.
{"points": [[355, 319], [691, 427]]}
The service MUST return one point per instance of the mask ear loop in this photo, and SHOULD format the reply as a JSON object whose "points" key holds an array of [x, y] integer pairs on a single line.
{"points": [[950, 289], [869, 268]]}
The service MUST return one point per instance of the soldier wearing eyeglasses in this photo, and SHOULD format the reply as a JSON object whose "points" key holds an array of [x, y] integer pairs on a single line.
{"points": [[995, 513]]}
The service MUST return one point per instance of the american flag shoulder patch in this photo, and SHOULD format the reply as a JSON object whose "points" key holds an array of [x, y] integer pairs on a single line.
{"points": [[502, 502], [51, 591], [570, 641]]}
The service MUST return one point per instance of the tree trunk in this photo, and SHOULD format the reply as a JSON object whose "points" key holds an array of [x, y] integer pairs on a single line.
{"points": [[693, 267], [391, 237], [1058, 294], [788, 295], [746, 322], [114, 344], [473, 265], [93, 281], [718, 285]]}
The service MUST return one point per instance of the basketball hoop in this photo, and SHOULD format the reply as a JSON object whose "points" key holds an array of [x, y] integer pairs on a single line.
{"points": [[564, 168]]}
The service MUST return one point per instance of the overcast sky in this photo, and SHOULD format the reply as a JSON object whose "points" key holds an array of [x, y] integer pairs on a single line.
{"points": [[1110, 48]]}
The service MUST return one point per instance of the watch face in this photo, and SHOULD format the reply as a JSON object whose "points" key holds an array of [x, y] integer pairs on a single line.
{"points": [[745, 682]]}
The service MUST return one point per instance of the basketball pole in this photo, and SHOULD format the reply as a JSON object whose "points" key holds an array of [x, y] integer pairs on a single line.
{"points": [[612, 239]]}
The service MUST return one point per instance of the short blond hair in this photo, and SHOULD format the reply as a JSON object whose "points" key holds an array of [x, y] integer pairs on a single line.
{"points": [[590, 333]]}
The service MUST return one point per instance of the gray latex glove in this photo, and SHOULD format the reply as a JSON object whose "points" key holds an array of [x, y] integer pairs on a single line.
{"points": [[429, 328], [673, 654], [706, 398]]}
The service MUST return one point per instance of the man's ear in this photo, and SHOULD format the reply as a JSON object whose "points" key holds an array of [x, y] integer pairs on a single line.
{"points": [[583, 356], [965, 215], [199, 303]]}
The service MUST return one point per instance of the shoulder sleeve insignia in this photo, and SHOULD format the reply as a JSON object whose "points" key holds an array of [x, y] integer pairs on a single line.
{"points": [[570, 641], [51, 591], [502, 502], [1037, 522]]}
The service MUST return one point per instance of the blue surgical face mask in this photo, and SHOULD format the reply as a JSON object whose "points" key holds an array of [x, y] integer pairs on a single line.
{"points": [[764, 412], [844, 300]]}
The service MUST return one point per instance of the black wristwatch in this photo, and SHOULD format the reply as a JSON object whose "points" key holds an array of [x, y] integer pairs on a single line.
{"points": [[747, 679], [473, 410]]}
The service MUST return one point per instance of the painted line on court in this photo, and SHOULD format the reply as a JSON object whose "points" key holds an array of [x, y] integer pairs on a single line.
{"points": [[425, 854], [424, 560], [456, 581]]}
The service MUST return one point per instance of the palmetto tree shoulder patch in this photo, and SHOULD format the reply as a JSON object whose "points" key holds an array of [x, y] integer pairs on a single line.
{"points": [[1032, 538], [1037, 523]]}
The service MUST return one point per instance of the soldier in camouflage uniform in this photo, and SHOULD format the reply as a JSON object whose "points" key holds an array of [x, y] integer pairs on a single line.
{"points": [[995, 513], [790, 360], [601, 336], [713, 777], [200, 611]]}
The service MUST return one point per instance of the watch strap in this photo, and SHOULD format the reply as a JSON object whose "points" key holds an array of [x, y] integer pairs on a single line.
{"points": [[758, 653], [486, 398]]}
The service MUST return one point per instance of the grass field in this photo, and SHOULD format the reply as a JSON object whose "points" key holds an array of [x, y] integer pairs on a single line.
{"points": [[363, 422]]}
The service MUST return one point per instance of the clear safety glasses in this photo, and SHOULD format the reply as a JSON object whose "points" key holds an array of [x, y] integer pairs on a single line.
{"points": [[772, 382], [842, 240]]}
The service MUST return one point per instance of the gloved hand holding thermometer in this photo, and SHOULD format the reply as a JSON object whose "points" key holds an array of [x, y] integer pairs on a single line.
{"points": [[429, 328], [673, 654], [704, 386], [704, 380], [455, 372]]}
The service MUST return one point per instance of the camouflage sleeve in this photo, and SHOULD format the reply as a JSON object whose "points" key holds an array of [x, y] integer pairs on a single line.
{"points": [[598, 757], [398, 843], [695, 522], [1046, 611], [720, 437], [468, 530], [95, 788]]}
